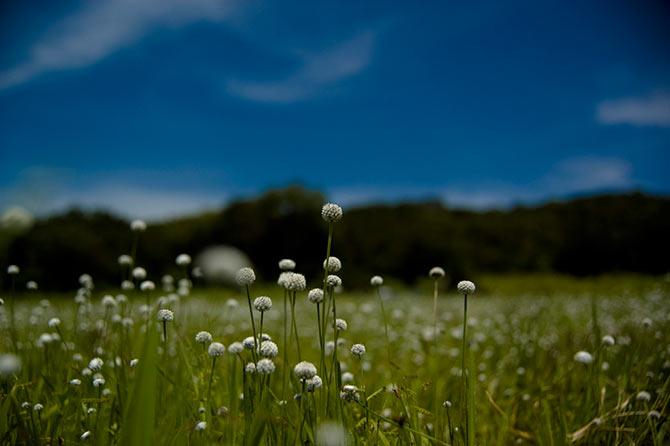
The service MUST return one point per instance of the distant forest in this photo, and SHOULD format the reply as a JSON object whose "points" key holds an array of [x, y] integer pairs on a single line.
{"points": [[586, 236]]}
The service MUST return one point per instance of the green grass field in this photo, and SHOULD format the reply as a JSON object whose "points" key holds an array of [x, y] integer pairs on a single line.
{"points": [[524, 385]]}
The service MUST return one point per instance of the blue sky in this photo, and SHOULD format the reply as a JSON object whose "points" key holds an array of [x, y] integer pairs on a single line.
{"points": [[154, 108]]}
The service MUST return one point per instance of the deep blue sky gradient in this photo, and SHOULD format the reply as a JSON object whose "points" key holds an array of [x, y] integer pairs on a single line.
{"points": [[480, 104]]}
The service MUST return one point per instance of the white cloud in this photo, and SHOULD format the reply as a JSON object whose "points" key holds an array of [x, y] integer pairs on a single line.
{"points": [[102, 27], [653, 110], [317, 71]]}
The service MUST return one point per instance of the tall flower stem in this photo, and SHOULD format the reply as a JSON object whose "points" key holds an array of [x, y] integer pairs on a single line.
{"points": [[464, 374], [284, 351], [211, 377], [386, 327], [295, 326], [253, 324]]}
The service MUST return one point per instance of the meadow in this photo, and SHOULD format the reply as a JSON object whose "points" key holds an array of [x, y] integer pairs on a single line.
{"points": [[541, 360]]}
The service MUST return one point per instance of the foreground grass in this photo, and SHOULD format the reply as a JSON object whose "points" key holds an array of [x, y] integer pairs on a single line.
{"points": [[526, 385]]}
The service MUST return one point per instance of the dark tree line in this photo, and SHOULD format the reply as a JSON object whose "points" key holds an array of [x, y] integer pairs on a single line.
{"points": [[581, 237]]}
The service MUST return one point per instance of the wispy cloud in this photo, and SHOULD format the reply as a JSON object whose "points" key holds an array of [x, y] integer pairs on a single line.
{"points": [[317, 71], [570, 176], [653, 110], [102, 27]]}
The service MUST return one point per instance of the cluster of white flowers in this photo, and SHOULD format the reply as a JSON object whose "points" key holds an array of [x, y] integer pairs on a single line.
{"points": [[358, 350], [268, 349], [262, 303], [333, 281], [304, 370], [315, 295], [165, 315], [265, 366]]}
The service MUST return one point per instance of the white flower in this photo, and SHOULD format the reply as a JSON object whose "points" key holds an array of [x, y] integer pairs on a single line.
{"points": [[183, 260], [332, 264], [262, 303], [376, 281], [203, 337], [75, 382], [269, 349], [165, 315], [108, 301], [286, 265], [347, 377], [358, 350], [331, 212], [644, 396], [99, 381], [583, 357], [86, 281], [647, 322], [249, 342], [295, 282], [13, 270], [250, 367], [304, 370], [341, 324], [96, 364], [236, 347], [9, 364], [436, 272], [265, 366], [38, 407], [139, 273], [608, 340], [201, 426], [125, 260], [315, 295], [138, 226], [31, 285], [349, 393], [245, 276], [53, 322], [121, 299], [133, 362], [313, 383], [333, 281], [147, 285], [25, 405], [446, 404], [466, 287], [216, 349], [127, 285]]}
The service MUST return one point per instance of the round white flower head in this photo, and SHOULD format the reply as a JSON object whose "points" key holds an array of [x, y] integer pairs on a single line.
{"points": [[53, 322], [13, 270], [95, 364], [147, 285], [282, 281], [347, 377], [647, 322], [313, 383], [304, 370], [250, 367], [249, 342], [436, 272], [644, 396], [295, 282], [32, 285], [446, 404], [138, 226], [349, 393], [654, 414], [25, 405], [245, 276], [333, 281], [265, 366], [583, 357], [376, 281], [216, 349], [125, 260], [466, 287], [86, 280], [108, 301], [331, 212], [358, 350], [85, 436], [121, 299], [75, 382], [139, 273], [286, 265], [262, 303], [183, 260], [203, 337], [269, 349], [608, 340], [332, 264], [98, 381], [9, 364], [201, 426], [340, 324], [235, 348], [38, 407], [127, 285], [165, 315], [315, 295], [133, 362]]}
